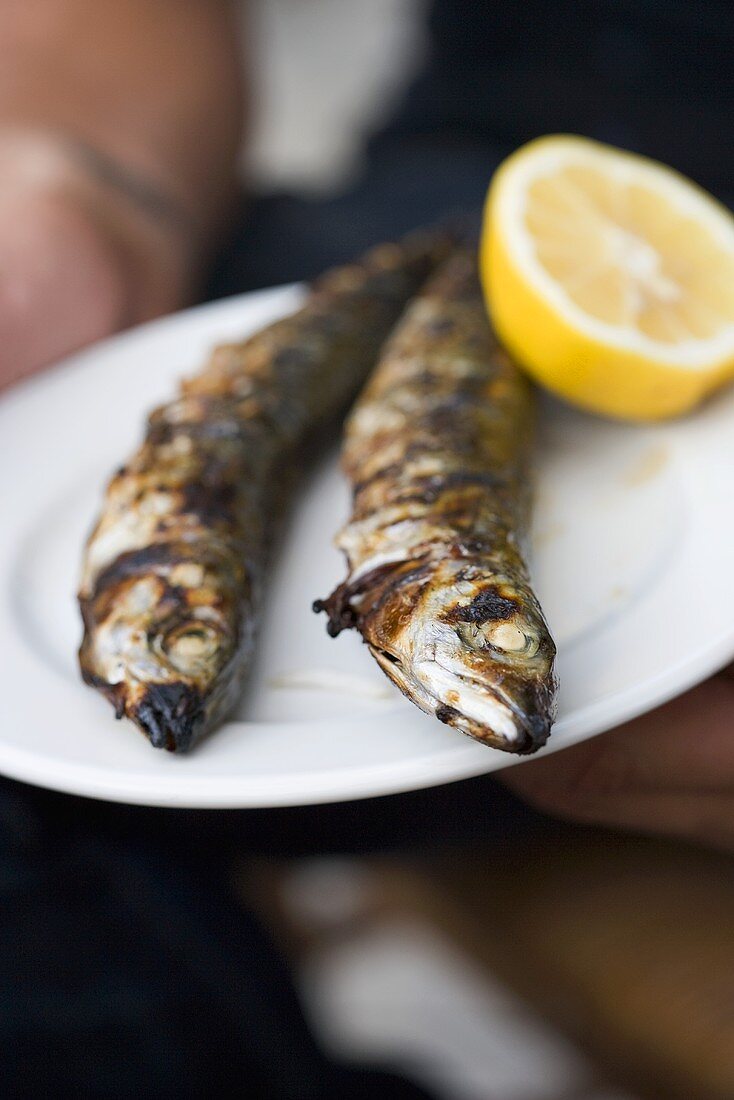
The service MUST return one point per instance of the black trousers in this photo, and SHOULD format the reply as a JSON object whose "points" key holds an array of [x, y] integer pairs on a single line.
{"points": [[128, 967]]}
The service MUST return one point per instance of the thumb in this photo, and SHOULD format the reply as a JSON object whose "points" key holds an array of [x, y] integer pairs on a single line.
{"points": [[668, 771], [62, 282]]}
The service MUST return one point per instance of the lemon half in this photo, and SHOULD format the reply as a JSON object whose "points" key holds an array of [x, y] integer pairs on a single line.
{"points": [[610, 277]]}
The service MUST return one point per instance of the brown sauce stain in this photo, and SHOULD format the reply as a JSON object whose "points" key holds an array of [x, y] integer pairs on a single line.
{"points": [[646, 466]]}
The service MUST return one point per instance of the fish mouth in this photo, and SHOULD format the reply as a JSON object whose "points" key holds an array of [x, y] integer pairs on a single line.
{"points": [[170, 715], [473, 706]]}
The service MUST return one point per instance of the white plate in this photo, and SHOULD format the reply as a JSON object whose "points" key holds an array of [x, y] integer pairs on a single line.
{"points": [[633, 548]]}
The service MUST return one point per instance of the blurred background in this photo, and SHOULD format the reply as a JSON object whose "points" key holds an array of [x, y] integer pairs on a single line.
{"points": [[327, 73], [585, 965]]}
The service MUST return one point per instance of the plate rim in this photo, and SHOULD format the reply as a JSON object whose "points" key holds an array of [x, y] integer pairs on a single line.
{"points": [[349, 783]]}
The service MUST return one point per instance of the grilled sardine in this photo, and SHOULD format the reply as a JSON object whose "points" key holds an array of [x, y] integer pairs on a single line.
{"points": [[173, 572], [438, 452]]}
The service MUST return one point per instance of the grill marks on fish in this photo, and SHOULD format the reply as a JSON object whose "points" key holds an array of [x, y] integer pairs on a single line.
{"points": [[173, 572], [488, 606], [438, 451]]}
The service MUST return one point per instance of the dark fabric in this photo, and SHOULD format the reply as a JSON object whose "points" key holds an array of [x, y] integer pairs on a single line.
{"points": [[128, 969], [654, 76], [282, 237]]}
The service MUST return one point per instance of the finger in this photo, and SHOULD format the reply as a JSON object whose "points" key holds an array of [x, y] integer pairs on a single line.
{"points": [[704, 818], [686, 745], [671, 770], [60, 284]]}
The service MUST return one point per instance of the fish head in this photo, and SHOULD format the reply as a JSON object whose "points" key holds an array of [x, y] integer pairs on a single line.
{"points": [[159, 644], [471, 645]]}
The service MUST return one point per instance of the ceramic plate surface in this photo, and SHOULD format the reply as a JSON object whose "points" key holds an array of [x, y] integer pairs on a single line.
{"points": [[633, 541]]}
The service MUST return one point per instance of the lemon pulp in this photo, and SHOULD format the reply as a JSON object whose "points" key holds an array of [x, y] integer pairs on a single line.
{"points": [[610, 277]]}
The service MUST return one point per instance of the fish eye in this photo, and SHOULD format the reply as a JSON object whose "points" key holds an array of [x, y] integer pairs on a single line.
{"points": [[508, 637], [190, 644]]}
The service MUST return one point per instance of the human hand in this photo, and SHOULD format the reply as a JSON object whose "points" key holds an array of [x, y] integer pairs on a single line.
{"points": [[668, 772], [78, 261]]}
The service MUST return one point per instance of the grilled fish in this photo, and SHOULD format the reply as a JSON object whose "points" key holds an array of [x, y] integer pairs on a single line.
{"points": [[173, 571], [438, 450]]}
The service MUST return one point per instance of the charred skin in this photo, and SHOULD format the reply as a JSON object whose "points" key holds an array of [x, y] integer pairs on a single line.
{"points": [[438, 452], [173, 572]]}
